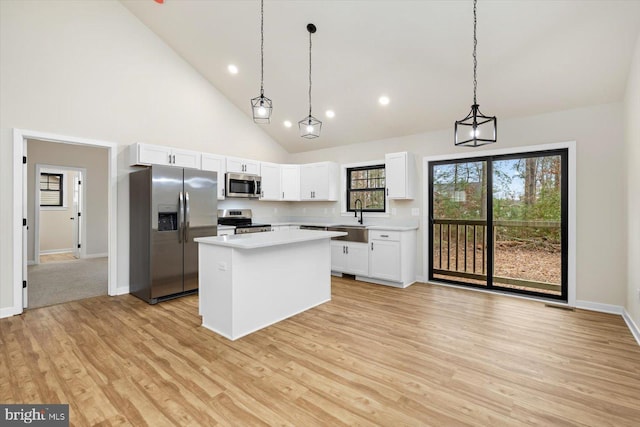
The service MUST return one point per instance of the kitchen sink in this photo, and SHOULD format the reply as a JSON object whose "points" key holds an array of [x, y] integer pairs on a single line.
{"points": [[355, 233]]}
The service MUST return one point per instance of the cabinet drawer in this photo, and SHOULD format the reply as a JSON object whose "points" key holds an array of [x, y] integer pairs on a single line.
{"points": [[384, 235]]}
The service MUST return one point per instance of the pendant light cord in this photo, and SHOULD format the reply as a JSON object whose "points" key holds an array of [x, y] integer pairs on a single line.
{"points": [[261, 48], [309, 73], [475, 59]]}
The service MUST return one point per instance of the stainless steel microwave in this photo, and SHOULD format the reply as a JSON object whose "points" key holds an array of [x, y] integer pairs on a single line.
{"points": [[243, 185]]}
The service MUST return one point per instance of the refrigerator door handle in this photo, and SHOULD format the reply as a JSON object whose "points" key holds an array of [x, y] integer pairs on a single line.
{"points": [[187, 214], [180, 216]]}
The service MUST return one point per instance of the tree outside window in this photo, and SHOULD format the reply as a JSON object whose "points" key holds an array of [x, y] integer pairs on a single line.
{"points": [[368, 184]]}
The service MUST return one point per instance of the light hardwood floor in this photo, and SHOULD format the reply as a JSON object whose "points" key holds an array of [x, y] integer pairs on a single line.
{"points": [[374, 355]]}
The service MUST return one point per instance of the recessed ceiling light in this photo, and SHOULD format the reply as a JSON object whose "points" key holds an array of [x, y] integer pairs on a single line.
{"points": [[232, 69], [330, 113], [287, 124], [383, 100]]}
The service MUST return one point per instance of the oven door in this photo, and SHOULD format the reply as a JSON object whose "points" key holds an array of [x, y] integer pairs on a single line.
{"points": [[243, 185]]}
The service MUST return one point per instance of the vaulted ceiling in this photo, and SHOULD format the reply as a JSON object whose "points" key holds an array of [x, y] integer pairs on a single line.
{"points": [[533, 57]]}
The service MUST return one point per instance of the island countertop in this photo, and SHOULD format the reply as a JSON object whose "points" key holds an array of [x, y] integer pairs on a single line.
{"points": [[262, 240]]}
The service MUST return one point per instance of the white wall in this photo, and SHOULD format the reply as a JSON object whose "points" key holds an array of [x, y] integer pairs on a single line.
{"points": [[601, 182], [632, 140], [90, 69]]}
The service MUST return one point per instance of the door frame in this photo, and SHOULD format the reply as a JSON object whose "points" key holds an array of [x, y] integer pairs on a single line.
{"points": [[82, 208], [570, 146], [20, 137]]}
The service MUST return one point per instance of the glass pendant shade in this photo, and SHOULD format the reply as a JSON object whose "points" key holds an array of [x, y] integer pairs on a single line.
{"points": [[476, 129], [310, 127], [261, 107]]}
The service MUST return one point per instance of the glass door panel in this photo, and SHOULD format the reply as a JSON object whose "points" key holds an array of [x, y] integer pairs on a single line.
{"points": [[527, 223], [459, 222]]}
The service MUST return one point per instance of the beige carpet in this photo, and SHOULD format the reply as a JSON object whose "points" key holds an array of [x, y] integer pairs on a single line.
{"points": [[63, 281]]}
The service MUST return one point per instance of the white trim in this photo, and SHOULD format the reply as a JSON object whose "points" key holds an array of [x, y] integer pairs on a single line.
{"points": [[602, 308], [572, 174], [57, 251], [635, 330], [19, 189], [89, 256]]}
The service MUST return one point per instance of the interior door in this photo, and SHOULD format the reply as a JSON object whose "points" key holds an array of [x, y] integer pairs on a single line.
{"points": [[25, 228], [201, 218]]}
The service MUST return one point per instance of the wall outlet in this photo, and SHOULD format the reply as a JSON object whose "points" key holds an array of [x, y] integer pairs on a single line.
{"points": [[415, 211]]}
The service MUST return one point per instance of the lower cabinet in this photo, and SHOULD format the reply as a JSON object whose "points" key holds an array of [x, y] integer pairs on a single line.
{"points": [[388, 259], [349, 257], [384, 257]]}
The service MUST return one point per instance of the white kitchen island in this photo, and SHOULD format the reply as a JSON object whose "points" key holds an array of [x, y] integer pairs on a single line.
{"points": [[250, 281]]}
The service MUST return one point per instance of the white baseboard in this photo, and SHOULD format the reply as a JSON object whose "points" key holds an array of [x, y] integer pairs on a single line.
{"points": [[122, 290], [8, 312], [103, 255], [604, 308], [635, 331], [56, 251]]}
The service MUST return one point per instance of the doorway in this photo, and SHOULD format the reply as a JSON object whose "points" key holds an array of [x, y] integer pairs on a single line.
{"points": [[59, 213], [24, 216], [500, 222]]}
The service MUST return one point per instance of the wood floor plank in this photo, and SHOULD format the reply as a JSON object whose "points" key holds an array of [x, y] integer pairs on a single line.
{"points": [[373, 355]]}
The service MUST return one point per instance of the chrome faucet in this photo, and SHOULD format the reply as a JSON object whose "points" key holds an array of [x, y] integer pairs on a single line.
{"points": [[355, 205]]}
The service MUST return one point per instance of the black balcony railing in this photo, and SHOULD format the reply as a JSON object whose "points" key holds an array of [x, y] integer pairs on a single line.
{"points": [[460, 250]]}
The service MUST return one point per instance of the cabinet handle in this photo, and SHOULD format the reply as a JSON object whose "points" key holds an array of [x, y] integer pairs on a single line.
{"points": [[384, 235], [283, 194], [343, 251], [387, 191], [347, 250], [223, 192], [371, 245]]}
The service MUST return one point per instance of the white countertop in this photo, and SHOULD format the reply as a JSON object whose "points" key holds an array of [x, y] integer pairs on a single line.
{"points": [[262, 240], [337, 224]]}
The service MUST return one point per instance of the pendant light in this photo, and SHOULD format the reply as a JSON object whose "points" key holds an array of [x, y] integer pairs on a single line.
{"points": [[476, 129], [310, 126], [261, 105]]}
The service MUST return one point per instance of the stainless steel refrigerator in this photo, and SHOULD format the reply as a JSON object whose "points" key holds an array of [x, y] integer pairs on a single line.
{"points": [[168, 208]]}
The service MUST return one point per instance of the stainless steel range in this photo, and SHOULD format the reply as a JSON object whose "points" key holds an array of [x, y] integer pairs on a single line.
{"points": [[241, 219]]}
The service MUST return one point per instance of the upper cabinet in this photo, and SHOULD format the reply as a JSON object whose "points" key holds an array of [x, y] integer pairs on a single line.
{"points": [[400, 175], [290, 182], [147, 154], [215, 163], [270, 183], [238, 165], [319, 181]]}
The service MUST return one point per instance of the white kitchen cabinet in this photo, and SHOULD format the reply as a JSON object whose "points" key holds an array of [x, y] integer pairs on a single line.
{"points": [[238, 165], [319, 181], [349, 257], [216, 163], [401, 177], [147, 154], [290, 182], [392, 257], [270, 183]]}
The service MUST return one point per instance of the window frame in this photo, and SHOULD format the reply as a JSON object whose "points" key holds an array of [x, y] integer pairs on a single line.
{"points": [[348, 190], [60, 191]]}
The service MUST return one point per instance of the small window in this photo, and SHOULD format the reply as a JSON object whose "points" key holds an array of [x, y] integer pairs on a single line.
{"points": [[366, 184], [51, 189]]}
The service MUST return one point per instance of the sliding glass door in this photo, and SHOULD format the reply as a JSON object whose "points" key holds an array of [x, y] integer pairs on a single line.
{"points": [[500, 222]]}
